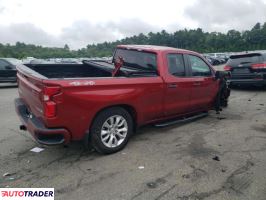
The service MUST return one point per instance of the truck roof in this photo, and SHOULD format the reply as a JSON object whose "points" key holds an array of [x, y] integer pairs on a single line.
{"points": [[153, 48]]}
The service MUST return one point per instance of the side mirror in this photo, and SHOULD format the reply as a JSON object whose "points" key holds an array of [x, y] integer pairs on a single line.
{"points": [[222, 75], [217, 75]]}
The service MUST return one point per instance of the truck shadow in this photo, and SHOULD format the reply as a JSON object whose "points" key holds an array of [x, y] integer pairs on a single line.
{"points": [[76, 151], [72, 157], [144, 133]]}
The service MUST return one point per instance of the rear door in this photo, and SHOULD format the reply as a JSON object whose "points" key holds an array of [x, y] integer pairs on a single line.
{"points": [[177, 85], [203, 84]]}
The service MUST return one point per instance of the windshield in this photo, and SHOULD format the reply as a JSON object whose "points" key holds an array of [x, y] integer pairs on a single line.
{"points": [[137, 59]]}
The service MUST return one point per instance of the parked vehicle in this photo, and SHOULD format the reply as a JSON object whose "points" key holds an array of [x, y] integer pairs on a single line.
{"points": [[69, 60], [247, 69], [221, 60], [212, 60], [36, 61], [102, 103], [8, 70], [217, 58]]}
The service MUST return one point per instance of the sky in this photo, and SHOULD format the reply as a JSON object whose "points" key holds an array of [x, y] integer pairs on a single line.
{"points": [[77, 23]]}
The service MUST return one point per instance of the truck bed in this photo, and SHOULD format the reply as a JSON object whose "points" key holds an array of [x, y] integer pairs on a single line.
{"points": [[88, 69], [72, 70]]}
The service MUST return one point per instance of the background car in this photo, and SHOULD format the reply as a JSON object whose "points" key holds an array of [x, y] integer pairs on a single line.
{"points": [[247, 69], [212, 60], [8, 69]]}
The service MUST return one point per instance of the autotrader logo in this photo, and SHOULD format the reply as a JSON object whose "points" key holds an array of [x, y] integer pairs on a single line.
{"points": [[26, 193]]}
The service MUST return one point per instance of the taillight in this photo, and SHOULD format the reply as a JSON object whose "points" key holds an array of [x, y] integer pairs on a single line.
{"points": [[227, 68], [49, 109], [259, 66], [49, 104]]}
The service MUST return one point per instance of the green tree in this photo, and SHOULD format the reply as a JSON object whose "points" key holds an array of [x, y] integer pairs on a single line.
{"points": [[195, 39]]}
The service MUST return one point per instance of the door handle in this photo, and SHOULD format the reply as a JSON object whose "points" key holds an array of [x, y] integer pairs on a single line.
{"points": [[196, 83], [172, 85]]}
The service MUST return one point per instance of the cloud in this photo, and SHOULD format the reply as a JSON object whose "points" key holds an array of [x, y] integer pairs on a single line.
{"points": [[2, 9], [77, 35], [227, 14], [83, 32], [28, 21], [28, 33], [129, 27], [210, 15]]}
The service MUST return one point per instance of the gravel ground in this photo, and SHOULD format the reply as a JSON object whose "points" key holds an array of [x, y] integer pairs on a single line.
{"points": [[216, 157]]}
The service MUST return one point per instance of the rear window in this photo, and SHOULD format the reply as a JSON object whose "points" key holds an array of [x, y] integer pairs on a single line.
{"points": [[176, 64], [138, 59], [245, 59]]}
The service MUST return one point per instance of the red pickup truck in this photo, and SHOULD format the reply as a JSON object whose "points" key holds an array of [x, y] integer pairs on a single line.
{"points": [[103, 102]]}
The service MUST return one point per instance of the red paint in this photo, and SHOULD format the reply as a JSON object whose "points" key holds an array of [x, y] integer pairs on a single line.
{"points": [[150, 99]]}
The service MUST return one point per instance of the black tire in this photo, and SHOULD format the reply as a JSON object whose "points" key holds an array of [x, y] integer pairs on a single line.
{"points": [[96, 128], [225, 103]]}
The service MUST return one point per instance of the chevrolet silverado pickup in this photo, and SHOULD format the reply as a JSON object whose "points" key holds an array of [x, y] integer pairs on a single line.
{"points": [[103, 103]]}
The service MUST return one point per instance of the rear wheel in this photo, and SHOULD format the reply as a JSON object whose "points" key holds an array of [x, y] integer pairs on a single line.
{"points": [[111, 130]]}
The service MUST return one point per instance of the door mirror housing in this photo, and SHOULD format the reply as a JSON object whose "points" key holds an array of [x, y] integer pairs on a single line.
{"points": [[222, 74], [217, 75]]}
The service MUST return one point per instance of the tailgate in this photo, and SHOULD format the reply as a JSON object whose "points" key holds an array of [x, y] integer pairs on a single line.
{"points": [[30, 90]]}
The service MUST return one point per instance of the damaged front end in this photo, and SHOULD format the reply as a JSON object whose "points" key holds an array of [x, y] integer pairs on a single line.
{"points": [[223, 92]]}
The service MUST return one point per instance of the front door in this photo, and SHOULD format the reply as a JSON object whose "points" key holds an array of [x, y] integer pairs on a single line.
{"points": [[204, 85]]}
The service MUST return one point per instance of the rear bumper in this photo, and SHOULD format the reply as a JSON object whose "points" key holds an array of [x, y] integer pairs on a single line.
{"points": [[42, 134], [260, 82], [248, 79]]}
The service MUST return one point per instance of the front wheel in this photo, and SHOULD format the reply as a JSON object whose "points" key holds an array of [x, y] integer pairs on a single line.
{"points": [[111, 130]]}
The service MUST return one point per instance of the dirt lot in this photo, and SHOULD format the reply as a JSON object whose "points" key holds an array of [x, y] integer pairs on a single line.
{"points": [[176, 162]]}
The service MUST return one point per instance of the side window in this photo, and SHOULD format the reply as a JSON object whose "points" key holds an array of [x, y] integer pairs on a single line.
{"points": [[3, 65], [176, 64], [199, 67]]}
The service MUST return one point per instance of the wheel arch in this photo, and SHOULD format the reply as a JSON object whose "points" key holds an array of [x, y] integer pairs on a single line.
{"points": [[130, 109], [87, 141]]}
